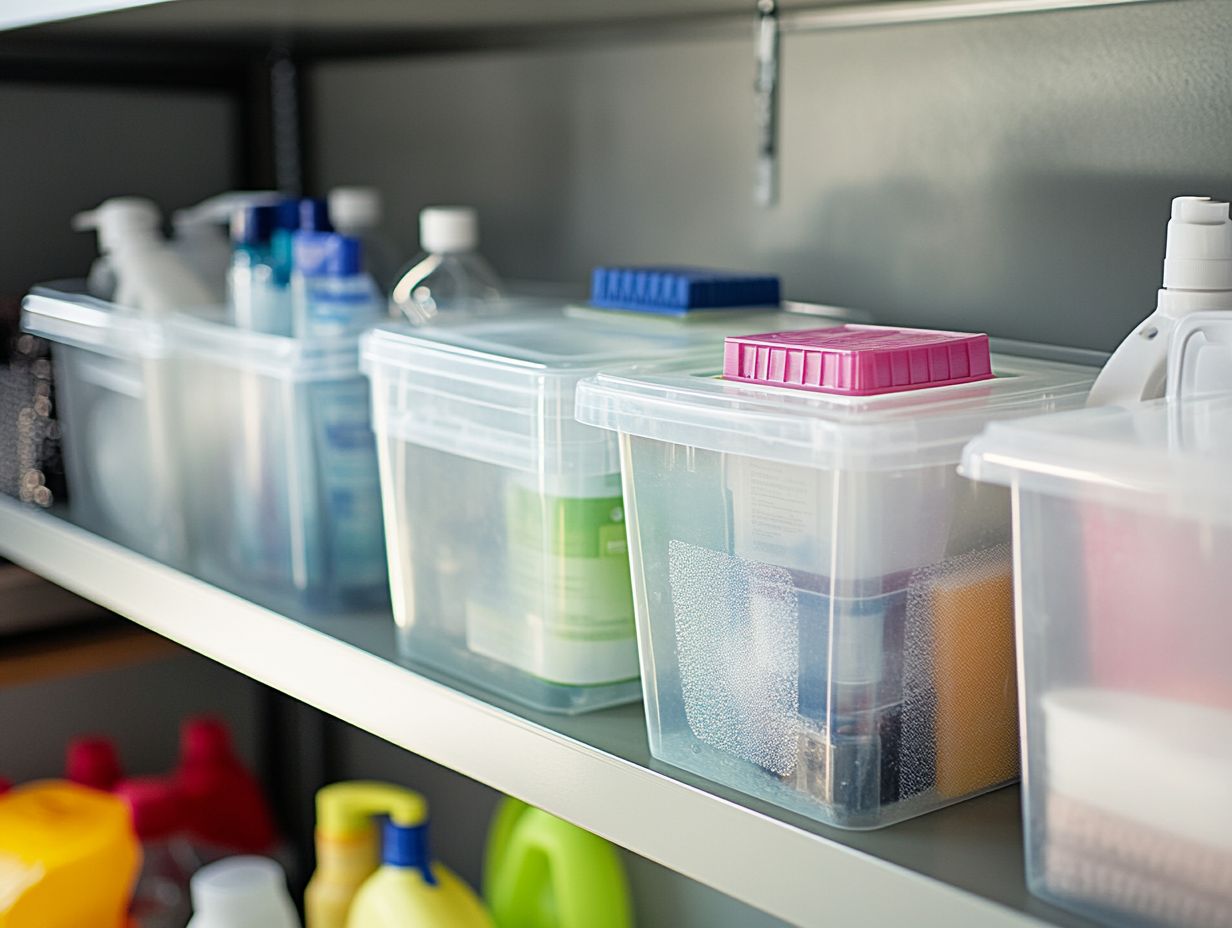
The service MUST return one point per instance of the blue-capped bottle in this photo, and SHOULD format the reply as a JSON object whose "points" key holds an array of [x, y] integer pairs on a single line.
{"points": [[331, 295], [307, 214], [410, 888], [256, 299]]}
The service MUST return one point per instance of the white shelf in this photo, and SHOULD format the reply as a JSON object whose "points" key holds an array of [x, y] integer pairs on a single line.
{"points": [[959, 866]]}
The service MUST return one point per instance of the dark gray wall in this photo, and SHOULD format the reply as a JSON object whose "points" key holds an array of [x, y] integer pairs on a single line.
{"points": [[64, 148], [1011, 174]]}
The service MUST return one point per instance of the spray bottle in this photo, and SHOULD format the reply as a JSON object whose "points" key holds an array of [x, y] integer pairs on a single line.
{"points": [[1197, 277], [410, 888], [199, 238], [347, 845]]}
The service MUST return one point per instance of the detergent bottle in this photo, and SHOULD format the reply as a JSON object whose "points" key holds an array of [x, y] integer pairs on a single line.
{"points": [[542, 872], [410, 888], [348, 846], [68, 857]]}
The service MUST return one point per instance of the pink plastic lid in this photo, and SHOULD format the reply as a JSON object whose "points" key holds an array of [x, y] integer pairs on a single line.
{"points": [[858, 360]]}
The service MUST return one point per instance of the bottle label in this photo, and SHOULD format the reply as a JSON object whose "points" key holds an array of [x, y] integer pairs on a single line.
{"points": [[349, 485], [570, 615]]}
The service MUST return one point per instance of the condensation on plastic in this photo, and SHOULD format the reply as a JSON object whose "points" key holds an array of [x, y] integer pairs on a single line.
{"points": [[737, 644]]}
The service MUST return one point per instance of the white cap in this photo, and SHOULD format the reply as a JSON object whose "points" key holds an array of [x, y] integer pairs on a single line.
{"points": [[448, 228], [242, 892], [1199, 252], [120, 221], [354, 208]]}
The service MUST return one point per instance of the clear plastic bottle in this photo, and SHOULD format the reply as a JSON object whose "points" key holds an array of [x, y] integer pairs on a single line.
{"points": [[357, 212], [257, 302], [451, 275]]}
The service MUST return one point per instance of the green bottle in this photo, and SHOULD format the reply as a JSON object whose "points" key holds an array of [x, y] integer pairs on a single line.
{"points": [[542, 872]]}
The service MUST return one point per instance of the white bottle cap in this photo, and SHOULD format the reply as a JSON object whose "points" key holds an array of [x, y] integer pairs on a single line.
{"points": [[353, 209], [443, 229], [242, 892], [1199, 253], [120, 221]]}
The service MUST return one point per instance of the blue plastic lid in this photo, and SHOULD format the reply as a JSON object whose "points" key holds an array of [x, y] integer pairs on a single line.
{"points": [[253, 225], [678, 291], [310, 213], [406, 847], [327, 254]]}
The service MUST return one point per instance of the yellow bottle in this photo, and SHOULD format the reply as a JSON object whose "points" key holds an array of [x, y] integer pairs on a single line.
{"points": [[410, 888], [68, 857], [348, 846]]}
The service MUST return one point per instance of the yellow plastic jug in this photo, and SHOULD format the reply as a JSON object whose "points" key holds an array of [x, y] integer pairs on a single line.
{"points": [[410, 888], [68, 857]]}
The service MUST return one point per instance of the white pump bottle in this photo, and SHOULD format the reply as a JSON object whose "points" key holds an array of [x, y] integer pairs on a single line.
{"points": [[136, 263], [1197, 277]]}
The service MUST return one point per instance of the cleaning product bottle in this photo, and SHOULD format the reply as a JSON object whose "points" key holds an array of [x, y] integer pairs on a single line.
{"points": [[242, 892], [199, 237], [308, 214], [92, 761], [224, 809], [542, 872], [160, 898], [68, 857], [410, 888], [451, 275], [348, 846], [1197, 276], [139, 269], [257, 301], [330, 293], [356, 211]]}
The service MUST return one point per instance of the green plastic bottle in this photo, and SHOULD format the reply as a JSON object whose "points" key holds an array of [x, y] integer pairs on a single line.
{"points": [[542, 872], [409, 888]]}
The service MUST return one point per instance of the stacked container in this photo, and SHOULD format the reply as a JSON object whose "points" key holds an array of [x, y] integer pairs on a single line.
{"points": [[242, 457], [505, 524], [1123, 534], [823, 605]]}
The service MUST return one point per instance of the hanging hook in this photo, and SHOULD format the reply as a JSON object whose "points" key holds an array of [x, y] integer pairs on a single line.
{"points": [[767, 102]]}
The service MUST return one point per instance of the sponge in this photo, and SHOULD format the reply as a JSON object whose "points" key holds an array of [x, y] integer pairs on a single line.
{"points": [[678, 291]]}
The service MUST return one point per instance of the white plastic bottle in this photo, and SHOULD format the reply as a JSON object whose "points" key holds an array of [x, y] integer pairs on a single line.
{"points": [[1197, 277], [451, 275], [242, 892], [357, 212], [139, 268]]}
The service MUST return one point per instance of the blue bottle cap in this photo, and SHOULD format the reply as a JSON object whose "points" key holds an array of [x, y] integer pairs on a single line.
{"points": [[406, 847], [327, 254], [253, 225], [309, 213]]}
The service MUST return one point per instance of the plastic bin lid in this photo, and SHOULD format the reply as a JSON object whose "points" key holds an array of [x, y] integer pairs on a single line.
{"points": [[58, 313], [693, 405], [62, 313], [502, 389], [858, 360], [1164, 454]]}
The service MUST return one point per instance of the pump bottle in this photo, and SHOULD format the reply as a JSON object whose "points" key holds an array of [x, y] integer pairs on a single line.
{"points": [[1197, 277]]}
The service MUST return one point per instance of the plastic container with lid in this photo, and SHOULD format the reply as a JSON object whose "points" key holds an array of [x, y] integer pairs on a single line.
{"points": [[243, 457], [115, 395], [823, 605], [1123, 534], [505, 524]]}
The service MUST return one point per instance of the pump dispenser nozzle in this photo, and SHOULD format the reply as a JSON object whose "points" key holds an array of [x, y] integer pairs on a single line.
{"points": [[1197, 276]]}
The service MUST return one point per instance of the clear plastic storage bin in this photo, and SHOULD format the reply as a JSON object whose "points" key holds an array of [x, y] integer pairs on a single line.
{"points": [[247, 459], [823, 605], [115, 396], [1123, 533], [507, 551]]}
